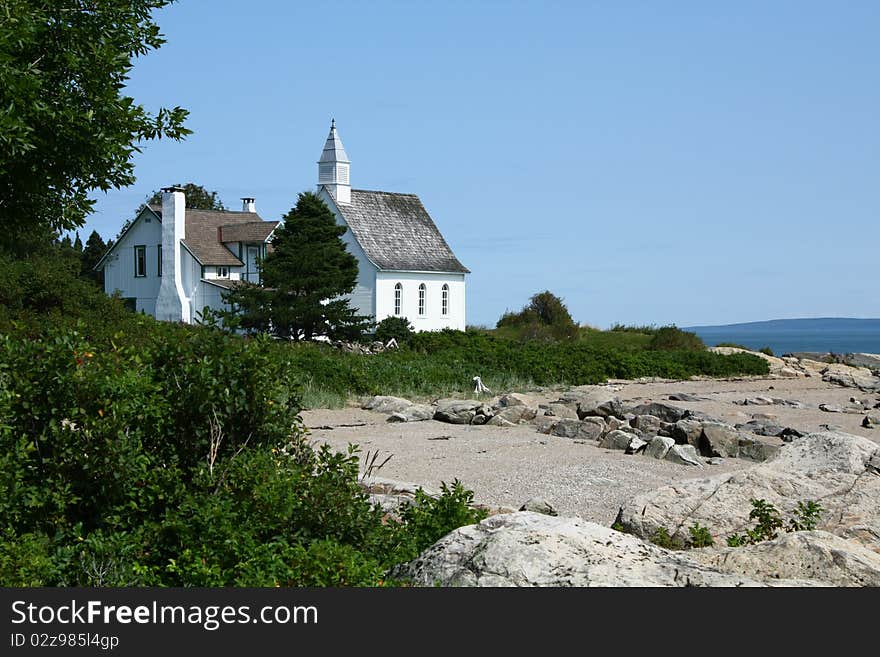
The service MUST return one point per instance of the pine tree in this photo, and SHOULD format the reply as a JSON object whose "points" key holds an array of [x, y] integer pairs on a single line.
{"points": [[303, 278], [94, 250]]}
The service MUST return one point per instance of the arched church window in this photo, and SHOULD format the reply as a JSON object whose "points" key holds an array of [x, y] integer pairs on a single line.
{"points": [[398, 292], [444, 305], [422, 292]]}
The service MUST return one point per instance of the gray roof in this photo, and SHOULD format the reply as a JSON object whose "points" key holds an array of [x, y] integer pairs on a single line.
{"points": [[397, 233]]}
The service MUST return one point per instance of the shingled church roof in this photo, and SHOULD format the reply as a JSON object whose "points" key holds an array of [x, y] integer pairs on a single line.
{"points": [[397, 233]]}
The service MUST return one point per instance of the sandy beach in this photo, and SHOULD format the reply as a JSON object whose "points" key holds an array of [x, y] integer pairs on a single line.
{"points": [[505, 466]]}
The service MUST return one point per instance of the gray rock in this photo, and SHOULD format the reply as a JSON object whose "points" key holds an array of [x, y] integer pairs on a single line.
{"points": [[530, 549], [831, 467], [685, 397], [647, 424], [636, 445], [756, 450], [414, 413], [760, 427], [613, 423], [719, 440], [511, 400], [661, 411], [684, 455], [538, 505], [788, 434], [456, 411], [828, 408], [659, 447], [387, 404], [562, 411], [513, 415], [578, 429], [687, 432], [870, 421], [545, 423], [594, 403], [814, 555], [598, 426], [499, 421], [616, 440], [715, 460]]}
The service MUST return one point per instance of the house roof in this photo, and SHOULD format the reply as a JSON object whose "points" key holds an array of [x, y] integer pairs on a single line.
{"points": [[253, 231], [202, 236], [397, 233]]}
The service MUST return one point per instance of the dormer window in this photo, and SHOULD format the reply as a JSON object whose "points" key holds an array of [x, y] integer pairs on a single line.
{"points": [[222, 272]]}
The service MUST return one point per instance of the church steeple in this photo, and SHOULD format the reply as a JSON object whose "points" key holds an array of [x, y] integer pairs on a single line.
{"points": [[333, 167]]}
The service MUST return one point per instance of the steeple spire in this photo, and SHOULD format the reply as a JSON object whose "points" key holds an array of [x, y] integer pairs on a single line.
{"points": [[333, 167]]}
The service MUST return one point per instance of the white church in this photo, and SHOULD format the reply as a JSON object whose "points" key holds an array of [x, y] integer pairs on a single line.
{"points": [[172, 262]]}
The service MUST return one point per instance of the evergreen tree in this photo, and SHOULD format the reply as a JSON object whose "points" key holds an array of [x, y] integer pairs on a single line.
{"points": [[94, 250], [303, 278], [78, 245]]}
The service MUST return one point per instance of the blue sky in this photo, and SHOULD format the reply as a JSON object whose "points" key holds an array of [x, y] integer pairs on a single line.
{"points": [[676, 162]]}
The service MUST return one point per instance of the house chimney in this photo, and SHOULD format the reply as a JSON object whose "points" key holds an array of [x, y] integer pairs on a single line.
{"points": [[248, 204], [172, 304]]}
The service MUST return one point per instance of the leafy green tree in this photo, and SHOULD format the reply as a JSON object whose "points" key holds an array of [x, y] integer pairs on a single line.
{"points": [[66, 126], [303, 278], [197, 197]]}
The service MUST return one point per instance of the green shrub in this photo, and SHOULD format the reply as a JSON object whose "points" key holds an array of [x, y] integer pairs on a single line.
{"points": [[428, 519], [662, 539], [768, 522], [398, 328], [671, 338], [766, 350], [544, 318], [700, 536]]}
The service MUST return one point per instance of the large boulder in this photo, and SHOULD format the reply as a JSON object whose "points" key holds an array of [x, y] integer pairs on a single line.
{"points": [[755, 449], [648, 425], [413, 413], [838, 470], [799, 555], [851, 377], [562, 411], [661, 411], [618, 440], [512, 415], [531, 549], [567, 428], [719, 440], [386, 404], [687, 432], [659, 447], [457, 411], [594, 402], [684, 455]]}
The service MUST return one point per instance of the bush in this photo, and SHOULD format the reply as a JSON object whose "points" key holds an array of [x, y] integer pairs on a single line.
{"points": [[768, 522], [671, 338], [429, 519], [544, 318], [398, 328]]}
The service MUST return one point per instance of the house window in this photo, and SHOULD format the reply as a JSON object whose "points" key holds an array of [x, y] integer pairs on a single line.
{"points": [[444, 306], [140, 261], [159, 273], [422, 291], [222, 272], [398, 292]]}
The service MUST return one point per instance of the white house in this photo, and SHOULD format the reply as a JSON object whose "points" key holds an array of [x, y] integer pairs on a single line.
{"points": [[406, 268], [172, 261]]}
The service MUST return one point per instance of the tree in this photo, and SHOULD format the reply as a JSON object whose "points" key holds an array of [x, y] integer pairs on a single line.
{"points": [[197, 197], [66, 126], [94, 250], [303, 278], [544, 317]]}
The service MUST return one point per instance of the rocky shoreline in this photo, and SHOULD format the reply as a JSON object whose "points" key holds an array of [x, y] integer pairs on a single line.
{"points": [[556, 468]]}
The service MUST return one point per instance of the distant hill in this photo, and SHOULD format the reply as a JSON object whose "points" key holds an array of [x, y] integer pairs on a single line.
{"points": [[816, 334]]}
